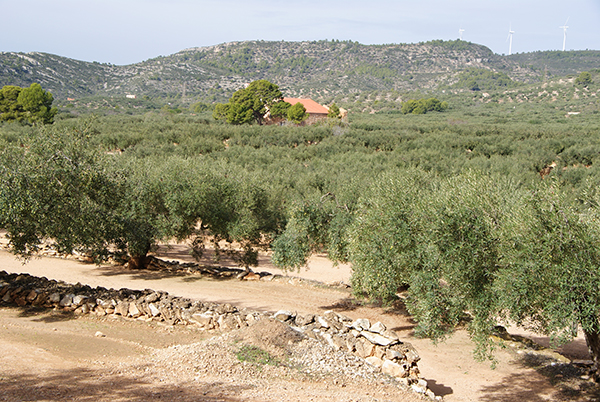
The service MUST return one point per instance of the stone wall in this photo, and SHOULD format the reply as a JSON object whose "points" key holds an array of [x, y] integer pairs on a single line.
{"points": [[379, 346]]}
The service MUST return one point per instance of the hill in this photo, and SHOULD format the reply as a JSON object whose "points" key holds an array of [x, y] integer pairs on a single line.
{"points": [[318, 69], [302, 68]]}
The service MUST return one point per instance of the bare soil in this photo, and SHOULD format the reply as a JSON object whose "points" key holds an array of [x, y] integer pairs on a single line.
{"points": [[50, 356]]}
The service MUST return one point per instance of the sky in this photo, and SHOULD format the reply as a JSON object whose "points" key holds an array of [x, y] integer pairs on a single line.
{"points": [[130, 31]]}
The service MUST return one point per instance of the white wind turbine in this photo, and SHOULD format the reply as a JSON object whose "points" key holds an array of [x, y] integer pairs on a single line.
{"points": [[564, 28], [509, 39], [460, 32]]}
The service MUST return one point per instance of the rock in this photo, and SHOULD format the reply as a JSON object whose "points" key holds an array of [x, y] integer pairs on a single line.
{"points": [[322, 322], [394, 369], [54, 298], [420, 386], [7, 298], [154, 311], [391, 335], [338, 342], [227, 323], [133, 310], [365, 349], [31, 296], [151, 298], [379, 352], [377, 339], [307, 319], [204, 320], [410, 352], [378, 328], [351, 344], [393, 355], [267, 278], [225, 308], [374, 361], [361, 324], [79, 300], [66, 301], [99, 334], [122, 308], [283, 315]]}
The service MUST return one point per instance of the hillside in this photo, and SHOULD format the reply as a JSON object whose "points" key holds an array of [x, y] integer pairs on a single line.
{"points": [[301, 68], [318, 69]]}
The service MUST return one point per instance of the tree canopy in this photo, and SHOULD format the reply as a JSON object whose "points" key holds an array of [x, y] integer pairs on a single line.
{"points": [[297, 113], [249, 104], [29, 105]]}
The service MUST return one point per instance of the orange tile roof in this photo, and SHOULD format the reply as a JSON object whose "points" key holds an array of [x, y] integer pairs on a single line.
{"points": [[311, 106]]}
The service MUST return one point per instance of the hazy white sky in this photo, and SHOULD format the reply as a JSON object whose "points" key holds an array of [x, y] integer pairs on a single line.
{"points": [[129, 31]]}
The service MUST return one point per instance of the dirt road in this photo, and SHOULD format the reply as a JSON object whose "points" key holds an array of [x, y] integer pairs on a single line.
{"points": [[448, 367]]}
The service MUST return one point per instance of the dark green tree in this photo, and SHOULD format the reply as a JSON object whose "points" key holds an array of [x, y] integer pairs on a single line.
{"points": [[10, 109], [30, 105], [584, 79], [297, 113], [280, 109], [250, 104], [334, 112]]}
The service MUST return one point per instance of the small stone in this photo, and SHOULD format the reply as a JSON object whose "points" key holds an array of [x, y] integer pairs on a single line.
{"points": [[394, 369], [377, 339], [122, 308], [79, 300], [54, 298], [374, 361], [393, 355], [361, 324], [322, 322], [31, 296], [66, 301], [378, 328], [99, 334], [306, 320], [151, 298], [204, 320], [283, 315], [133, 310], [154, 311]]}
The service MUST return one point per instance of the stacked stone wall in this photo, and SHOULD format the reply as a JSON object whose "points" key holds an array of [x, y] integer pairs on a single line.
{"points": [[379, 346]]}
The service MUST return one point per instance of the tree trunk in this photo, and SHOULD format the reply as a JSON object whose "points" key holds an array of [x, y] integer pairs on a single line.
{"points": [[592, 339], [138, 262]]}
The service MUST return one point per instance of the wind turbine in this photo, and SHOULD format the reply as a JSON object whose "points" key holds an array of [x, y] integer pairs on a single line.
{"points": [[509, 39], [460, 32], [564, 28]]}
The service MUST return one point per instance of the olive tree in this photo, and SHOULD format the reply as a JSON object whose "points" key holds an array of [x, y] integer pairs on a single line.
{"points": [[550, 279], [53, 187], [484, 251], [56, 188]]}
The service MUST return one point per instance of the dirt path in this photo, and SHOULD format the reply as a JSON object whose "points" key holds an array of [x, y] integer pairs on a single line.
{"points": [[448, 367]]}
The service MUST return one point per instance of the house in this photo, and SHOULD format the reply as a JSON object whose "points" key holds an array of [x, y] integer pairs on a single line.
{"points": [[315, 111]]}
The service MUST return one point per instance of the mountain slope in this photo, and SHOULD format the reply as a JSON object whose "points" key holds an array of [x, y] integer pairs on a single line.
{"points": [[317, 69]]}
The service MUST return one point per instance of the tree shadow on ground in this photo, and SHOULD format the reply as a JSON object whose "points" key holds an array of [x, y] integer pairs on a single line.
{"points": [[559, 382], [43, 314], [347, 304], [89, 385], [142, 274], [439, 389]]}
